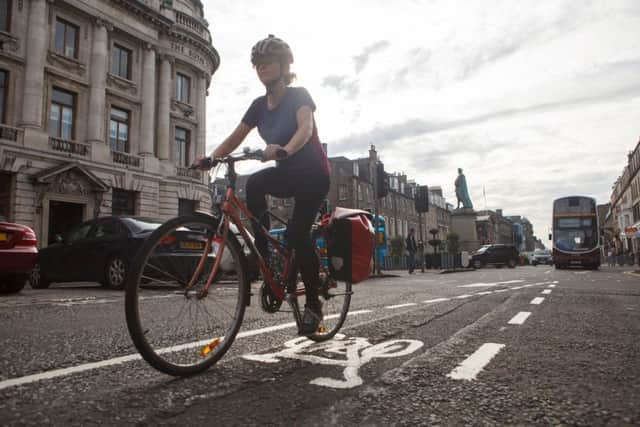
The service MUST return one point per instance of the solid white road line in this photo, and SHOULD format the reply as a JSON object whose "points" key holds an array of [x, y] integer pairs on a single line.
{"points": [[462, 296], [537, 300], [429, 301], [519, 318], [481, 284], [410, 304], [472, 365], [118, 360], [546, 291]]}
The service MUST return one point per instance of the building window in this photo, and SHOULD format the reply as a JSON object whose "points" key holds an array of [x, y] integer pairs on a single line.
{"points": [[5, 196], [5, 15], [119, 130], [120, 62], [186, 207], [66, 38], [360, 198], [123, 202], [4, 80], [342, 192], [181, 147], [62, 114], [182, 88]]}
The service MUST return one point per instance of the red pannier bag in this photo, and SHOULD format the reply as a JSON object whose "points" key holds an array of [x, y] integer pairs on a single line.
{"points": [[350, 245]]}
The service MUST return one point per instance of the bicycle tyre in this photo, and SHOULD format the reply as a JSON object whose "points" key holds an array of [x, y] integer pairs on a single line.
{"points": [[175, 331], [335, 296]]}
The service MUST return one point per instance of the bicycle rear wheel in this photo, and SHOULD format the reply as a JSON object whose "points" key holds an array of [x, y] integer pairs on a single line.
{"points": [[179, 331], [335, 297]]}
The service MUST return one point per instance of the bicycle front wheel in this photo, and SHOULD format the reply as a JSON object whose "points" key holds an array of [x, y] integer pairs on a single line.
{"points": [[176, 328]]}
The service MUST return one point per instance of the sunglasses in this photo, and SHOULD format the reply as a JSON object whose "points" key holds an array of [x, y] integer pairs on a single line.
{"points": [[265, 60]]}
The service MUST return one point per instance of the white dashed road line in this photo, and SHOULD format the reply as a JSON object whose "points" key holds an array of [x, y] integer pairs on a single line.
{"points": [[519, 318], [537, 300], [546, 291], [474, 364]]}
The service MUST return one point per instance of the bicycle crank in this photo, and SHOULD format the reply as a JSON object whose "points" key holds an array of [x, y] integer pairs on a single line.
{"points": [[268, 300]]}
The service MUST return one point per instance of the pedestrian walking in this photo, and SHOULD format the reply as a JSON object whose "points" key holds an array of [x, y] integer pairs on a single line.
{"points": [[610, 258], [412, 248]]}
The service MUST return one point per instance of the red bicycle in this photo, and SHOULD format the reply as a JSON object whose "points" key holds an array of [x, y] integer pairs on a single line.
{"points": [[189, 285]]}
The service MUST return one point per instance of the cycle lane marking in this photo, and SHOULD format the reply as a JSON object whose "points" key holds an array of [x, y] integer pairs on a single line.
{"points": [[27, 379], [356, 351]]}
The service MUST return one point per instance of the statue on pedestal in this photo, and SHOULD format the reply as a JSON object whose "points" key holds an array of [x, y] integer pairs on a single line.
{"points": [[462, 194]]}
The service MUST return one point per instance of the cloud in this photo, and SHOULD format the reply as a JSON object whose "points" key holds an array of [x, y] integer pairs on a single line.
{"points": [[362, 59], [342, 84], [417, 127]]}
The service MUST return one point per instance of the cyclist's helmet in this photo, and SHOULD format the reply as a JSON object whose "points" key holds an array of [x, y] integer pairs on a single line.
{"points": [[272, 45]]}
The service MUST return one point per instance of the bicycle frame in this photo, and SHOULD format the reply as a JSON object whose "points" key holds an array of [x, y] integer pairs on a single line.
{"points": [[231, 209]]}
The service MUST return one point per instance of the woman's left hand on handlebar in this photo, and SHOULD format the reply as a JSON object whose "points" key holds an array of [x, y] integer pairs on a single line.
{"points": [[273, 152]]}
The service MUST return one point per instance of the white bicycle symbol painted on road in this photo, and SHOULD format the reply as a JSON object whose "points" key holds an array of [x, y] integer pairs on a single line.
{"points": [[356, 352]]}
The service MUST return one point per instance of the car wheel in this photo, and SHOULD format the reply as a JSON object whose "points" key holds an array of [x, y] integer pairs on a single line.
{"points": [[12, 284], [37, 279], [534, 264], [511, 263], [115, 272], [478, 264]]}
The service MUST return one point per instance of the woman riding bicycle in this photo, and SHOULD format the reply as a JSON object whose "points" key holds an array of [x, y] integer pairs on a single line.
{"points": [[284, 118]]}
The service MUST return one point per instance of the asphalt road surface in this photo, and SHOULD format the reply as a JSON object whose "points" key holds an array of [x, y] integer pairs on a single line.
{"points": [[522, 346]]}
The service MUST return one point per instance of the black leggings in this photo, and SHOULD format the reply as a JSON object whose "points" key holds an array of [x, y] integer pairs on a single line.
{"points": [[308, 191]]}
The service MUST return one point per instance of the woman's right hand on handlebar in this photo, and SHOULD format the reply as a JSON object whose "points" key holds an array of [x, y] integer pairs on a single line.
{"points": [[204, 164]]}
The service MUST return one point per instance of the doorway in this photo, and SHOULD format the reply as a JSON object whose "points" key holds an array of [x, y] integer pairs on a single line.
{"points": [[63, 216]]}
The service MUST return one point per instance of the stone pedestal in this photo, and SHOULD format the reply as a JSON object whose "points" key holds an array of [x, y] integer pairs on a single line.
{"points": [[463, 222]]}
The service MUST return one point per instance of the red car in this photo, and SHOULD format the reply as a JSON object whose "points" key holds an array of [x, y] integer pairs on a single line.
{"points": [[18, 252]]}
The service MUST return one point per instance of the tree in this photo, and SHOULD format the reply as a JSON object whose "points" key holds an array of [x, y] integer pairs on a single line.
{"points": [[453, 242]]}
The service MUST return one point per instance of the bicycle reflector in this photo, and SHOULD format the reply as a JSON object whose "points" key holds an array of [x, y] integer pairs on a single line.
{"points": [[207, 348]]}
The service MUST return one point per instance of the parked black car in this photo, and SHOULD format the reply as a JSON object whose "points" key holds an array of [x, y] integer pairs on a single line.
{"points": [[99, 250], [497, 255]]}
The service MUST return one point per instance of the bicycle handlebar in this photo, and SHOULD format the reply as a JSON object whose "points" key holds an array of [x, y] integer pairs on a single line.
{"points": [[247, 154]]}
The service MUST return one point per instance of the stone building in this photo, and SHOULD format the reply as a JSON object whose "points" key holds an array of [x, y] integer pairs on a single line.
{"points": [[103, 108], [625, 206], [492, 227], [438, 218], [524, 237]]}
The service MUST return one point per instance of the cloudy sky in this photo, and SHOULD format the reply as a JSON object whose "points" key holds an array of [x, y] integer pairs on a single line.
{"points": [[533, 99]]}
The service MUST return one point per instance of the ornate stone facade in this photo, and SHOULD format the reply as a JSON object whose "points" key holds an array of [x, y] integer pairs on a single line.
{"points": [[92, 105]]}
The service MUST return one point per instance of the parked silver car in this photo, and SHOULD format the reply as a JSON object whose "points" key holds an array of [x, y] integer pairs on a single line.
{"points": [[541, 257]]}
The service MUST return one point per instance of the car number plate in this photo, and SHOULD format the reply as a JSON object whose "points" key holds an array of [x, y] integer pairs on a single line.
{"points": [[4, 237], [191, 245]]}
